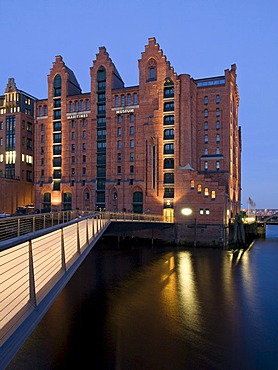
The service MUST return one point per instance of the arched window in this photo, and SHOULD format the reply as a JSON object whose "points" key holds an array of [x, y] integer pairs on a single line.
{"points": [[138, 202], [57, 84], [151, 70]]}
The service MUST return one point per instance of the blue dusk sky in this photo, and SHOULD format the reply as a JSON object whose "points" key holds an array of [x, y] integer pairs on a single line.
{"points": [[201, 38]]}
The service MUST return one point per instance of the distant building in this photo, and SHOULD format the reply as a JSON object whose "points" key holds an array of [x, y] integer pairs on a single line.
{"points": [[16, 148]]}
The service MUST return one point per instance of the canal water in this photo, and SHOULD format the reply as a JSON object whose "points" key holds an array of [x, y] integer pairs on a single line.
{"points": [[145, 308]]}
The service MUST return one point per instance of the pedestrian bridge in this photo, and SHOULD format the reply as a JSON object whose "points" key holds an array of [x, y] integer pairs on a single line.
{"points": [[35, 267]]}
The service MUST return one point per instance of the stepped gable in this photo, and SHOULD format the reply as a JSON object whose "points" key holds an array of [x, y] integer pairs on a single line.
{"points": [[59, 66], [153, 49], [11, 86], [102, 57]]}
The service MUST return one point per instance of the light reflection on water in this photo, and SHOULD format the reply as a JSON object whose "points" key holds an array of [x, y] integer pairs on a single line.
{"points": [[164, 309]]}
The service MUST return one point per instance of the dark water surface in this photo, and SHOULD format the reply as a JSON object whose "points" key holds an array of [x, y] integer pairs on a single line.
{"points": [[163, 309]]}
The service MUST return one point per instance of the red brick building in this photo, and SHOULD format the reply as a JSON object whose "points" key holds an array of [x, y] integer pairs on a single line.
{"points": [[169, 143], [16, 148]]}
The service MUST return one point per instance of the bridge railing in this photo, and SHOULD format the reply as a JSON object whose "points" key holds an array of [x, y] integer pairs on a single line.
{"points": [[32, 264]]}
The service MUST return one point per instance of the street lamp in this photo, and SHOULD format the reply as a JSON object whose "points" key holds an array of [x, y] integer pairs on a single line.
{"points": [[188, 212]]}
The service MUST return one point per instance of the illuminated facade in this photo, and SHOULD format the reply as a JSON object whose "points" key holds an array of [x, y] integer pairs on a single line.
{"points": [[169, 143], [16, 148]]}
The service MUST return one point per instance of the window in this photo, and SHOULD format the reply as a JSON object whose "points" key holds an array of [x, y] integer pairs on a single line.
{"points": [[131, 118], [57, 84], [73, 159], [131, 144], [116, 100], [119, 144], [192, 184], [131, 130], [40, 110], [168, 163], [152, 73], [169, 120], [207, 211], [217, 165], [205, 113], [73, 136], [83, 147], [168, 178], [135, 98], [205, 125], [87, 104], [217, 112], [169, 106], [168, 134], [218, 150], [119, 131], [206, 139], [76, 106], [213, 194], [206, 165], [119, 170], [122, 100], [72, 148], [206, 192], [131, 157], [168, 148], [128, 99], [119, 118], [201, 211], [83, 171], [217, 100], [199, 188], [218, 138], [168, 193], [57, 138], [131, 170], [83, 134], [119, 156], [217, 125], [206, 151], [83, 159], [205, 100], [70, 106]]}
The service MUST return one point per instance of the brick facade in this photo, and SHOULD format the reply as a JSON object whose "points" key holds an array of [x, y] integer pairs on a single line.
{"points": [[169, 143]]}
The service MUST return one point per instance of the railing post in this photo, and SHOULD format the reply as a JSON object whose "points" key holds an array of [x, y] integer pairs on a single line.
{"points": [[93, 226], [87, 232], [63, 255], [18, 227], [34, 223], [32, 290], [78, 238]]}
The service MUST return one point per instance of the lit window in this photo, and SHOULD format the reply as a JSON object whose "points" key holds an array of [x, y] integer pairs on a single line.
{"points": [[206, 192], [207, 211], [199, 188], [201, 211], [192, 184], [213, 194]]}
